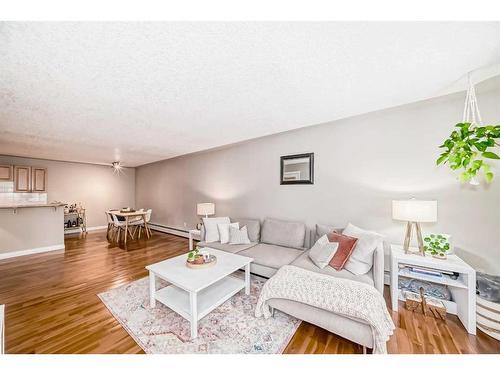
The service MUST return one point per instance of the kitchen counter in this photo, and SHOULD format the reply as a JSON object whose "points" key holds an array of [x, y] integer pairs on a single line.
{"points": [[31, 205]]}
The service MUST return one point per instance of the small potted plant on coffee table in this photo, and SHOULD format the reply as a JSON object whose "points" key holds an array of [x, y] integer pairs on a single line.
{"points": [[195, 257]]}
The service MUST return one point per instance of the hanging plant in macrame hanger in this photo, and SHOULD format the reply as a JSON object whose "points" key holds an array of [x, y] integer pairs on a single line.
{"points": [[470, 144]]}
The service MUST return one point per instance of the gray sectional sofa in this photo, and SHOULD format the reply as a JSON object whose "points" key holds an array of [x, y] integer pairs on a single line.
{"points": [[276, 243]]}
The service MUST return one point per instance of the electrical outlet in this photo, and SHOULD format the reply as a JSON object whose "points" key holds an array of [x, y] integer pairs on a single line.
{"points": [[185, 225]]}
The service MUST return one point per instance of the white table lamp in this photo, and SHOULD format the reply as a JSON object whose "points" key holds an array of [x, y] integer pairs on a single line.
{"points": [[205, 209], [414, 212]]}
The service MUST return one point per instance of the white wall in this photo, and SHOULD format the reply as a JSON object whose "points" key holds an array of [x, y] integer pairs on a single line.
{"points": [[95, 186], [361, 164]]}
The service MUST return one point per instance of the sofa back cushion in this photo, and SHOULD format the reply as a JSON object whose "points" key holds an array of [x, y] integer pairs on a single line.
{"points": [[322, 229], [253, 227], [283, 233]]}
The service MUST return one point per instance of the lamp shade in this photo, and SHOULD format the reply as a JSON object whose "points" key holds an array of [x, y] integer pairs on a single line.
{"points": [[414, 210], [205, 208]]}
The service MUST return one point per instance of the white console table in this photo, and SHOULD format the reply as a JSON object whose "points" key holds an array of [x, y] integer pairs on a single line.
{"points": [[463, 289]]}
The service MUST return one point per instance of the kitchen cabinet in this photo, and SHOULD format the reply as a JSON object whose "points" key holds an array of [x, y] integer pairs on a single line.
{"points": [[30, 179], [38, 180], [6, 173], [22, 179]]}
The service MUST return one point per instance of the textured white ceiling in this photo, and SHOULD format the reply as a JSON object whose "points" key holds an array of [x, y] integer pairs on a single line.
{"points": [[141, 92]]}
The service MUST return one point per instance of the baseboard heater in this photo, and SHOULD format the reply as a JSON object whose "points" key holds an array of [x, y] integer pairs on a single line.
{"points": [[169, 230]]}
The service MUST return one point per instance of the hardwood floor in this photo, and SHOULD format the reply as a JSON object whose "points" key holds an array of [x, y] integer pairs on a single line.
{"points": [[52, 305]]}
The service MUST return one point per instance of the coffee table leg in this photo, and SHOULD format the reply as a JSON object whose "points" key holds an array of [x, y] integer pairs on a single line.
{"points": [[247, 279], [152, 299], [194, 315]]}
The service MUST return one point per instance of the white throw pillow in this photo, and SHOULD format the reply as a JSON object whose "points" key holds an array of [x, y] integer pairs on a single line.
{"points": [[238, 236], [323, 251], [361, 259], [224, 231], [211, 230]]}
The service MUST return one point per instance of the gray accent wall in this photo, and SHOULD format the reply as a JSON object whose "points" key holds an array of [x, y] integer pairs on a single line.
{"points": [[361, 165]]}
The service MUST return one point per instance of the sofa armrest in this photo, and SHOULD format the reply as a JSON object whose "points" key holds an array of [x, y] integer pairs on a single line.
{"points": [[378, 268], [202, 233]]}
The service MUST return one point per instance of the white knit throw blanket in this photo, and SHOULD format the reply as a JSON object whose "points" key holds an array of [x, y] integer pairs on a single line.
{"points": [[340, 296]]}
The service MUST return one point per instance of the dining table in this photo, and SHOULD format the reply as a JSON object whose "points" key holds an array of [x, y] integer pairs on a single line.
{"points": [[131, 214]]}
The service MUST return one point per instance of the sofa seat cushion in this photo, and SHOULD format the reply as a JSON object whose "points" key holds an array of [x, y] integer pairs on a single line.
{"points": [[261, 270], [305, 262], [283, 233], [227, 247], [271, 255]]}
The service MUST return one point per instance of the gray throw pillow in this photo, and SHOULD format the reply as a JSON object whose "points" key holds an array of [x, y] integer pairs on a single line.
{"points": [[238, 236], [253, 227]]}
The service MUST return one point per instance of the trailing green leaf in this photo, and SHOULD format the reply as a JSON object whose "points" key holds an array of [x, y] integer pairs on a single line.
{"points": [[442, 158], [467, 147], [490, 155]]}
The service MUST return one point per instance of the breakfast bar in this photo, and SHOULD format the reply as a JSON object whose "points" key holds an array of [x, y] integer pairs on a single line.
{"points": [[30, 228]]}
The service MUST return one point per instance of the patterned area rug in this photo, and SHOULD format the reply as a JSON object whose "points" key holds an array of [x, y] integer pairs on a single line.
{"points": [[230, 328]]}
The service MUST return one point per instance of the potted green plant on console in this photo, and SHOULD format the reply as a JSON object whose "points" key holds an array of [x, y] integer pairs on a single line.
{"points": [[437, 245]]}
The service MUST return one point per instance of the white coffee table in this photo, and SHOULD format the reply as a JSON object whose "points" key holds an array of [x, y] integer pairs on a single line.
{"points": [[193, 293]]}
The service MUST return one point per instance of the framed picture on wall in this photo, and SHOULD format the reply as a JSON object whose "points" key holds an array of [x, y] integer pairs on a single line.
{"points": [[297, 169]]}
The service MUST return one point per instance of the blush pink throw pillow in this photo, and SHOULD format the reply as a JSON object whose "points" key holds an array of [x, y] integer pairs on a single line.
{"points": [[344, 251]]}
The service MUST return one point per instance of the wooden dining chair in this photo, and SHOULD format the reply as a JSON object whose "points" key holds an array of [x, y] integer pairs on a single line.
{"points": [[148, 219], [111, 226], [140, 224], [120, 226]]}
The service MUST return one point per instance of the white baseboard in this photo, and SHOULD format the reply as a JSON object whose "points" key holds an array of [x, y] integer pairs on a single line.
{"points": [[89, 229], [169, 230], [73, 231], [36, 250]]}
